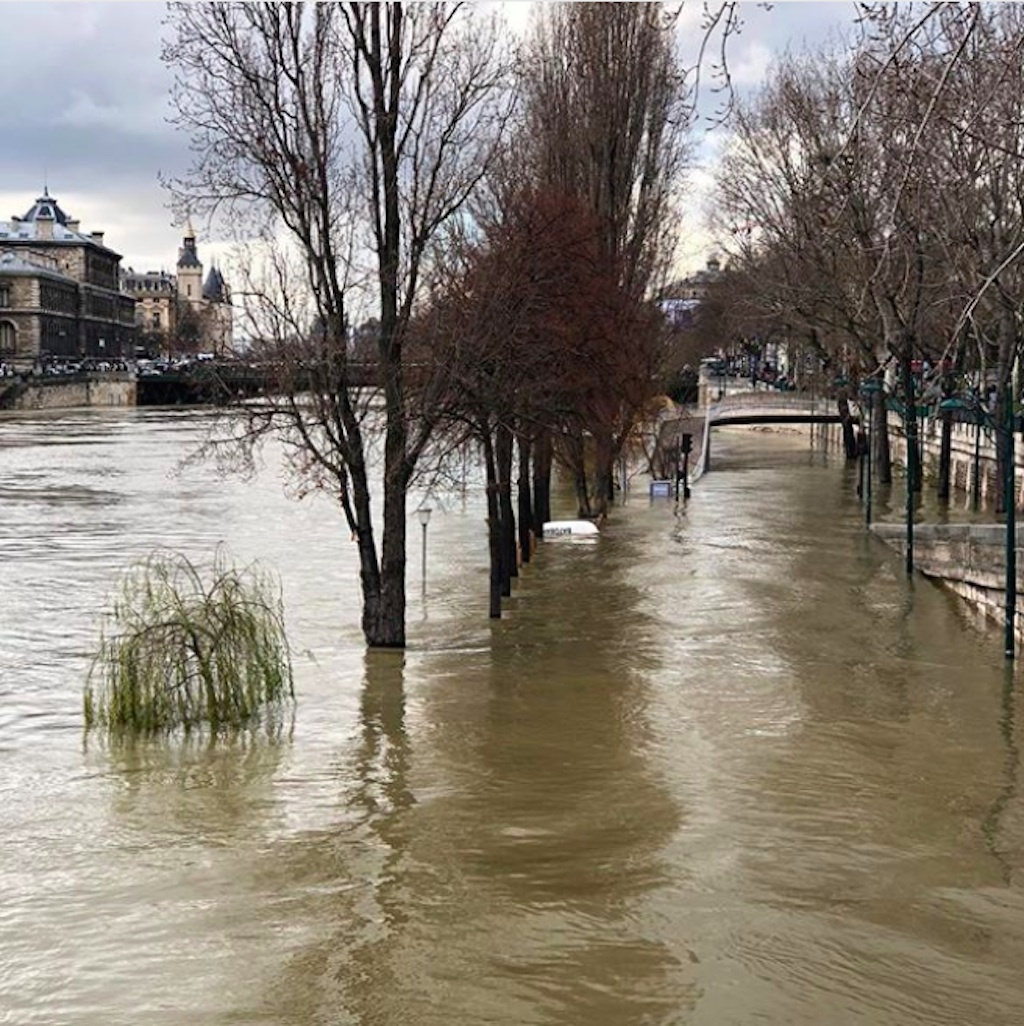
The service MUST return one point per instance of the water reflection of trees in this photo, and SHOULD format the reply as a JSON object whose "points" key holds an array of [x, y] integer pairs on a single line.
{"points": [[500, 854], [1005, 848], [543, 826], [194, 785], [865, 817]]}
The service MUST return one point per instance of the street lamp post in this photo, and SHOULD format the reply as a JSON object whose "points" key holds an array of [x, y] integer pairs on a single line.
{"points": [[424, 514], [1010, 498]]}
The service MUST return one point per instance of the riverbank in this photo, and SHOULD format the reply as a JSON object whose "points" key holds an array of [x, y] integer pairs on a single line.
{"points": [[967, 559], [101, 389]]}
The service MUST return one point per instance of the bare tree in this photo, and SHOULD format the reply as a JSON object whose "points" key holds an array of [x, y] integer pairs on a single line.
{"points": [[344, 136], [607, 120]]}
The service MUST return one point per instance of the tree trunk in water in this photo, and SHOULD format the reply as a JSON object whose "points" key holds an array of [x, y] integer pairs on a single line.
{"points": [[525, 501], [573, 452], [910, 424], [493, 525], [507, 520], [582, 492], [882, 456], [849, 434], [604, 460], [542, 459], [389, 626], [1002, 450]]}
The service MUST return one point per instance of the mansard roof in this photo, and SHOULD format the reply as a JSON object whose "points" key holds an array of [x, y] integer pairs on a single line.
{"points": [[60, 227], [48, 208]]}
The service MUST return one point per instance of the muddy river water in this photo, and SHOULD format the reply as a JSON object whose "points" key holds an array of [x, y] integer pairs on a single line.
{"points": [[727, 768]]}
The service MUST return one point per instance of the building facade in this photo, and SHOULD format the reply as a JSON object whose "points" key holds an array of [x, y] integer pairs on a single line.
{"points": [[60, 294], [182, 313], [155, 294]]}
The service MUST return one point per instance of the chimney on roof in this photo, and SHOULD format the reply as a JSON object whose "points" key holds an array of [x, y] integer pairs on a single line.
{"points": [[97, 237], [73, 226], [44, 228]]}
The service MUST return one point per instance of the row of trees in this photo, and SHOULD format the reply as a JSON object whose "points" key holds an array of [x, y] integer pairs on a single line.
{"points": [[503, 217], [874, 196]]}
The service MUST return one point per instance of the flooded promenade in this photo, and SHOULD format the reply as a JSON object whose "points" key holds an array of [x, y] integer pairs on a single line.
{"points": [[728, 768]]}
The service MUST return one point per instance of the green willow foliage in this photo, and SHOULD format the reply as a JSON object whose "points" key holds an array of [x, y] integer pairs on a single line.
{"points": [[181, 650]]}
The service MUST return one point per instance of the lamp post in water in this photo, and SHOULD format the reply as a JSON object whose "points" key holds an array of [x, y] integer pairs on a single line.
{"points": [[424, 514], [1010, 498]]}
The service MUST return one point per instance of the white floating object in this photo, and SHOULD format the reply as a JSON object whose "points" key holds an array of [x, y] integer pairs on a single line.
{"points": [[570, 529]]}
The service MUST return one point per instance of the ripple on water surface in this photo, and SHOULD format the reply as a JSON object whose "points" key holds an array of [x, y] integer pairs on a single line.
{"points": [[720, 768]]}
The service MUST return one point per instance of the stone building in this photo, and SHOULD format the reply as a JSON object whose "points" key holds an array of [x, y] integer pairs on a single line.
{"points": [[182, 313], [59, 290], [155, 294]]}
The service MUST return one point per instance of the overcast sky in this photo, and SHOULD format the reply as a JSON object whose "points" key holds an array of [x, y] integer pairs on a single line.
{"points": [[87, 106]]}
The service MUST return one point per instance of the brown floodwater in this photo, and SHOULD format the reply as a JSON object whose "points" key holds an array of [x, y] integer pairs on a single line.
{"points": [[727, 768]]}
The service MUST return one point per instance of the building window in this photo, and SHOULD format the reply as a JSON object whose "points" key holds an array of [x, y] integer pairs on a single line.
{"points": [[5, 295], [8, 338], [188, 290]]}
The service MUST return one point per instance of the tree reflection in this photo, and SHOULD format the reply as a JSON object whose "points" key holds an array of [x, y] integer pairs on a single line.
{"points": [[199, 784], [992, 827]]}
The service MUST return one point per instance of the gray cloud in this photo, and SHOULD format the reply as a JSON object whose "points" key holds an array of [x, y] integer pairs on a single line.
{"points": [[89, 118], [88, 107]]}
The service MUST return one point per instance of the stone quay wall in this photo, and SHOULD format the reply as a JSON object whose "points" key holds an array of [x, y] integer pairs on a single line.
{"points": [[99, 390], [968, 559]]}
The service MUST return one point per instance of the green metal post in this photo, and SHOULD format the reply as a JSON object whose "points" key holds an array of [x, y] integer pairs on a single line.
{"points": [[976, 479], [1011, 532], [910, 440], [871, 446]]}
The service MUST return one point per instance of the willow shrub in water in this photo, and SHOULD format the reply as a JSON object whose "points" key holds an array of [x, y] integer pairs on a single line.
{"points": [[182, 649]]}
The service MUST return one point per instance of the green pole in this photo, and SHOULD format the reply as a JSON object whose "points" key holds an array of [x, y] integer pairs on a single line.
{"points": [[976, 479], [871, 445], [910, 439], [1011, 532]]}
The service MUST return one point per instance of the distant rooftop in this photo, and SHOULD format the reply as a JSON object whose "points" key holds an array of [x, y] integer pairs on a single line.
{"points": [[46, 221], [46, 208]]}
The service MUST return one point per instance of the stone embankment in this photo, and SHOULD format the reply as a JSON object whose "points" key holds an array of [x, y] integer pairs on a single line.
{"points": [[968, 559], [105, 390]]}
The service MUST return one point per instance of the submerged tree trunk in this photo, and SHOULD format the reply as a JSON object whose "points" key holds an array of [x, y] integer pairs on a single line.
{"points": [[604, 471], [849, 433], [507, 520], [542, 461], [882, 455], [525, 501], [573, 453], [913, 453], [945, 454], [493, 523]]}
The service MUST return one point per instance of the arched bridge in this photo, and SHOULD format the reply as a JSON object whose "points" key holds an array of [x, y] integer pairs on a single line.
{"points": [[746, 408], [772, 408], [742, 408]]}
